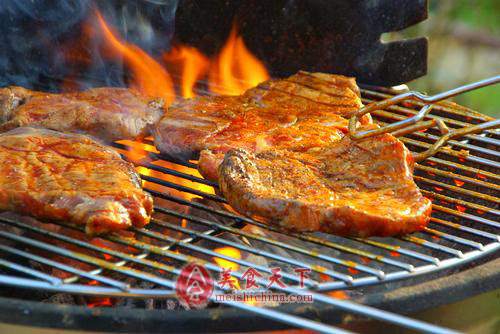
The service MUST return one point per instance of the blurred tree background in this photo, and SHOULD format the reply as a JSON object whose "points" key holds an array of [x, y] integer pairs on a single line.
{"points": [[464, 46]]}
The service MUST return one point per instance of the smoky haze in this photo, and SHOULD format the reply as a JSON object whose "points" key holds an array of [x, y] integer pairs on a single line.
{"points": [[43, 43]]}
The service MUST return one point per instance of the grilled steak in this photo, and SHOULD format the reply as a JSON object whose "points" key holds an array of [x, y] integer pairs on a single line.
{"points": [[258, 119], [280, 153], [107, 113], [66, 177], [351, 188]]}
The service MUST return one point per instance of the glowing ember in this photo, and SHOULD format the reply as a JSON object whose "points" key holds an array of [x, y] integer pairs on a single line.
{"points": [[438, 189], [393, 253], [365, 260], [325, 277], [459, 183], [338, 294], [235, 69], [98, 301], [482, 177], [99, 243], [353, 271], [461, 208]]}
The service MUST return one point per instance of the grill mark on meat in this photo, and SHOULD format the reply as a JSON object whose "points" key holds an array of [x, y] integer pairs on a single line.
{"points": [[348, 104], [250, 121]]}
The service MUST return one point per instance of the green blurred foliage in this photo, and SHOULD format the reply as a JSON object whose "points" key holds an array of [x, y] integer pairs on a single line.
{"points": [[479, 13], [464, 46]]}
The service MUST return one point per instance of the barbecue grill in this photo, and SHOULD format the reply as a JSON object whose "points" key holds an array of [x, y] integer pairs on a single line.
{"points": [[455, 257], [463, 229]]}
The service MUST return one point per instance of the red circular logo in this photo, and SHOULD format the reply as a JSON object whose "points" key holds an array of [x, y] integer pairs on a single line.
{"points": [[194, 286]]}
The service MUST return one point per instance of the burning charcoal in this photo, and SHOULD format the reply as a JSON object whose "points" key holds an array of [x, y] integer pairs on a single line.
{"points": [[61, 298], [169, 304]]}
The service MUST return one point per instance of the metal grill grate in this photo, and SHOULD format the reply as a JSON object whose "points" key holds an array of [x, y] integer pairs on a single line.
{"points": [[464, 227]]}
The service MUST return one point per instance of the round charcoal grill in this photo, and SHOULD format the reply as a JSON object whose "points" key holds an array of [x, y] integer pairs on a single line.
{"points": [[464, 228]]}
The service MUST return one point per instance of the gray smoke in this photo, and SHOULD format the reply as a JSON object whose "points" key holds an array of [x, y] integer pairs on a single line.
{"points": [[34, 33]]}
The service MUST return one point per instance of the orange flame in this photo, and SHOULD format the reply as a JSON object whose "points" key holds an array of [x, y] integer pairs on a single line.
{"points": [[191, 64], [235, 69], [223, 263], [230, 252], [149, 77]]}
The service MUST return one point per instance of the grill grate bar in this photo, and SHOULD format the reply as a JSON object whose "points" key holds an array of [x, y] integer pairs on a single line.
{"points": [[159, 156], [183, 188], [468, 169], [304, 237], [173, 172], [486, 140], [426, 135], [454, 238], [452, 153], [433, 245], [466, 215], [459, 177], [452, 200], [75, 271], [467, 229], [456, 189], [215, 254], [399, 249], [98, 271], [127, 271], [335, 274], [85, 289], [29, 271]]}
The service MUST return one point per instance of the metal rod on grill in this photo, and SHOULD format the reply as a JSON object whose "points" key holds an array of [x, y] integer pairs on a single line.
{"points": [[416, 122]]}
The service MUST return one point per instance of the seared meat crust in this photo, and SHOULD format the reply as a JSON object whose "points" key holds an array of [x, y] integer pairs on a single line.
{"points": [[106, 113], [65, 177], [280, 153], [300, 113], [352, 188]]}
